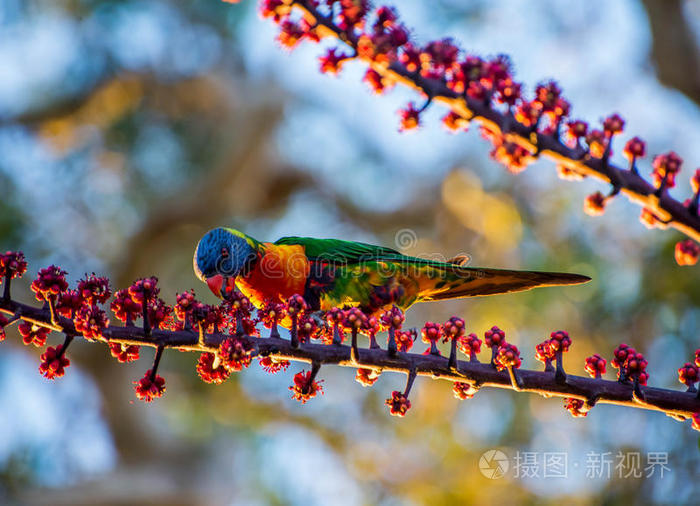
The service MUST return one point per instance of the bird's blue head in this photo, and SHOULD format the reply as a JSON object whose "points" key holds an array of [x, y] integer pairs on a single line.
{"points": [[222, 255]]}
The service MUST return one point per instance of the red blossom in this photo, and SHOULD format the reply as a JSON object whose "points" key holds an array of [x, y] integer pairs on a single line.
{"points": [[695, 181], [462, 391], [508, 357], [545, 352], [398, 403], [431, 334], [696, 421], [560, 340], [635, 148], [405, 339], [547, 95], [366, 377], [3, 322], [377, 83], [12, 264], [597, 143], [68, 303], [50, 282], [354, 319], [94, 289], [576, 130], [290, 34], [697, 357], [144, 289], [160, 314], [32, 333], [410, 117], [296, 305], [272, 313], [211, 369], [687, 252], [124, 307], [515, 157], [410, 57], [635, 364], [469, 345], [184, 303], [90, 321], [454, 328], [528, 113], [594, 205], [272, 365], [666, 167], [454, 122], [331, 62], [393, 318], [275, 9], [148, 388], [306, 328], [650, 220], [53, 362], [688, 374], [595, 365], [305, 387], [494, 337], [235, 353], [613, 125], [576, 407], [124, 353]]}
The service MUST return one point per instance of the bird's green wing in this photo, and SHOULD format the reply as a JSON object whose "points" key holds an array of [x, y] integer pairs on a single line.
{"points": [[339, 251]]}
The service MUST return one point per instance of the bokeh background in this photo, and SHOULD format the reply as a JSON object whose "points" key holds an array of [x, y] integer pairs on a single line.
{"points": [[129, 128]]}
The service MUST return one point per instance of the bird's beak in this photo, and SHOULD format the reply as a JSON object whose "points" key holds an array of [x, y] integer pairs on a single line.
{"points": [[215, 283], [221, 286]]}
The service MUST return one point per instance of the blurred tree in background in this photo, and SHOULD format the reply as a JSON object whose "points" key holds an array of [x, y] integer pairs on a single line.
{"points": [[129, 128]]}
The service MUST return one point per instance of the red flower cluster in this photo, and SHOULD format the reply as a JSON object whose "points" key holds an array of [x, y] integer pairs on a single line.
{"points": [[462, 391], [366, 377], [305, 387], [560, 340], [594, 204], [272, 313], [666, 167], [49, 283], [508, 357], [33, 334], [12, 265], [272, 365], [405, 339], [53, 362], [576, 407], [494, 337], [211, 369], [398, 403], [469, 345], [595, 365], [545, 352], [91, 321], [689, 375], [124, 352], [431, 334], [124, 307], [687, 252], [393, 318], [93, 289], [149, 388], [235, 354]]}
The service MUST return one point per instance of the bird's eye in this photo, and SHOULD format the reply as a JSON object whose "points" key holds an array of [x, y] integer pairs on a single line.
{"points": [[224, 252]]}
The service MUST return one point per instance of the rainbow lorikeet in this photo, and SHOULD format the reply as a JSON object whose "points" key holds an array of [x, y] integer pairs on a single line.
{"points": [[335, 273]]}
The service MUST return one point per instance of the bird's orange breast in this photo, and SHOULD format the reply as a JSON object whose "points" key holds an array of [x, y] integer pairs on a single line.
{"points": [[279, 273]]}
